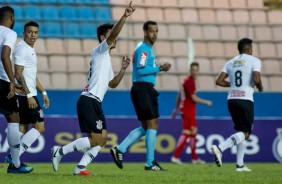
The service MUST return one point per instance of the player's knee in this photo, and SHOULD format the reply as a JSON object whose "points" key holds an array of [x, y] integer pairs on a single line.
{"points": [[103, 141], [247, 135], [41, 130], [13, 118]]}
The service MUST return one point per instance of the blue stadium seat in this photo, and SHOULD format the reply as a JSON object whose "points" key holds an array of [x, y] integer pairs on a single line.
{"points": [[32, 12], [50, 13], [103, 13], [71, 30], [93, 2], [52, 29], [18, 28], [66, 1], [88, 30], [68, 12], [85, 13], [49, 1], [18, 12]]}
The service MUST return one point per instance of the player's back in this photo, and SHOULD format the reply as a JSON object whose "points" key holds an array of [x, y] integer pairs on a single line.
{"points": [[240, 71], [7, 37]]}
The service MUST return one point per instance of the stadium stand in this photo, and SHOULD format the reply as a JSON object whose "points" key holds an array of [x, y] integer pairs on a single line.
{"points": [[68, 34]]}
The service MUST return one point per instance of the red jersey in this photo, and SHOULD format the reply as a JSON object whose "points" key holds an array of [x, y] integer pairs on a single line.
{"points": [[188, 106]]}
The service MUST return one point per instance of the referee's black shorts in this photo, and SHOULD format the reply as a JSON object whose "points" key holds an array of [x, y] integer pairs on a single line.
{"points": [[242, 113], [7, 106], [145, 100], [90, 115]]}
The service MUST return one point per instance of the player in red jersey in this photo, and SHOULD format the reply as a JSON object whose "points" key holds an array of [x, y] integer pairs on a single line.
{"points": [[186, 104]]}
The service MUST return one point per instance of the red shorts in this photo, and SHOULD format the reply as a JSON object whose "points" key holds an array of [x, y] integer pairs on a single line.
{"points": [[189, 123]]}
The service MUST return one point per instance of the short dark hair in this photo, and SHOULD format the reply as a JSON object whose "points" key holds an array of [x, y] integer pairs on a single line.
{"points": [[194, 64], [5, 11], [31, 23], [146, 24], [103, 29], [243, 44]]}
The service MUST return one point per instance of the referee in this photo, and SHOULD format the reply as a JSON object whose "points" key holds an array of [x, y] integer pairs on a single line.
{"points": [[144, 98]]}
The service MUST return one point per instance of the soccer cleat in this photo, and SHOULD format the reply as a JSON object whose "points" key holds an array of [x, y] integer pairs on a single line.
{"points": [[198, 161], [117, 156], [23, 169], [242, 168], [176, 160], [84, 172], [217, 155], [56, 159], [8, 159], [154, 167]]}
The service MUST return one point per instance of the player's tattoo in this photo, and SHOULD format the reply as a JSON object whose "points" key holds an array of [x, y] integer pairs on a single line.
{"points": [[20, 78]]}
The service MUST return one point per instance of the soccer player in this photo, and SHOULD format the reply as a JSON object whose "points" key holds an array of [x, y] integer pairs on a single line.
{"points": [[89, 107], [8, 100], [144, 98], [26, 74], [243, 72], [186, 102]]}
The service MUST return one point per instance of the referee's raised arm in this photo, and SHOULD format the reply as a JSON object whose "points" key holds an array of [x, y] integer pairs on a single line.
{"points": [[118, 26]]}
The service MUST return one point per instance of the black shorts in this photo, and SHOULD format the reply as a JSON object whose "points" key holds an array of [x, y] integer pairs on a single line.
{"points": [[28, 115], [242, 113], [145, 101], [7, 106], [90, 115]]}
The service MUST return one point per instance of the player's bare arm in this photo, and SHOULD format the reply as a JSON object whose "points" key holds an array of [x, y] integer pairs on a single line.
{"points": [[117, 28], [116, 80], [7, 64], [20, 78], [257, 81], [177, 105], [199, 100], [45, 98], [221, 80]]}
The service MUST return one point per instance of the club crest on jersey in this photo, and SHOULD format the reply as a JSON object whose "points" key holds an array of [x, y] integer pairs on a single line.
{"points": [[143, 58], [99, 124], [41, 114]]}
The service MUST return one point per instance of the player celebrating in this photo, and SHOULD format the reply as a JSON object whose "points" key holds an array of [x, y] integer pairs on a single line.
{"points": [[187, 99], [8, 100], [26, 74], [144, 98], [243, 72], [89, 107]]}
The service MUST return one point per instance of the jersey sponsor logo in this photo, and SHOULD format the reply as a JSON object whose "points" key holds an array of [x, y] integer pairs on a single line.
{"points": [[99, 124], [237, 93], [277, 145], [143, 58], [239, 63]]}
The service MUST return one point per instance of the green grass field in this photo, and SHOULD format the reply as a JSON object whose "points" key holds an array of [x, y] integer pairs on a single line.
{"points": [[108, 173]]}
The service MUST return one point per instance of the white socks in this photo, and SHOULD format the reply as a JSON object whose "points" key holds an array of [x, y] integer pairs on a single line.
{"points": [[14, 142], [27, 139], [78, 144], [233, 140], [87, 158], [240, 153]]}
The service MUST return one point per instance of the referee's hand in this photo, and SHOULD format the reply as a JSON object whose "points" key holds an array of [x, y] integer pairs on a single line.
{"points": [[125, 62]]}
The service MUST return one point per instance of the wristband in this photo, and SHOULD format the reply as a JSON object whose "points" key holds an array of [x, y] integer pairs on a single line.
{"points": [[44, 93], [29, 95]]}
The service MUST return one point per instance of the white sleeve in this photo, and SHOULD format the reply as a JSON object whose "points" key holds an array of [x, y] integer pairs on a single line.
{"points": [[224, 69], [10, 39], [257, 66], [20, 56], [102, 47]]}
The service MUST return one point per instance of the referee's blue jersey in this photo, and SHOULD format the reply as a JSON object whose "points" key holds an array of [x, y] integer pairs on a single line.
{"points": [[144, 64]]}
